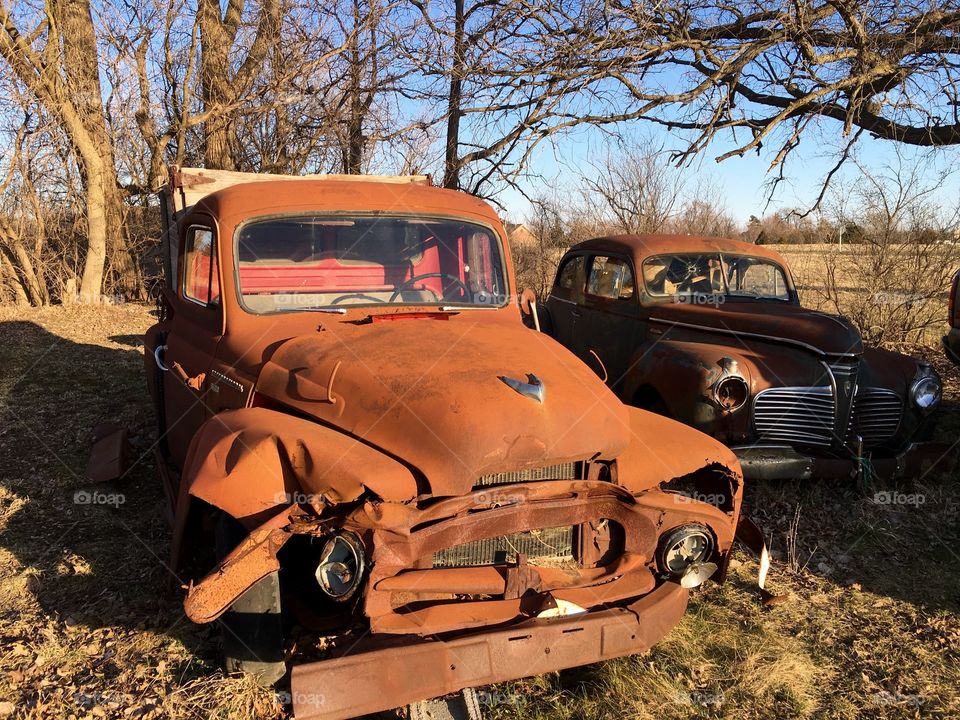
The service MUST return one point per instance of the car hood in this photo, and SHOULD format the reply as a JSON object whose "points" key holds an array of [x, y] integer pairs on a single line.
{"points": [[771, 321], [427, 391]]}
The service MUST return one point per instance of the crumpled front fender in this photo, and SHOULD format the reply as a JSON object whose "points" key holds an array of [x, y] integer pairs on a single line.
{"points": [[248, 462], [253, 461]]}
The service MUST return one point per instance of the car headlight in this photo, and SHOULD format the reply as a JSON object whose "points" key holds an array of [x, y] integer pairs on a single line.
{"points": [[341, 566], [731, 393], [925, 392]]}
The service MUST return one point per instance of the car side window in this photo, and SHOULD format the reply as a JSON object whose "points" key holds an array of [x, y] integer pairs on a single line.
{"points": [[610, 278], [201, 280], [569, 272]]}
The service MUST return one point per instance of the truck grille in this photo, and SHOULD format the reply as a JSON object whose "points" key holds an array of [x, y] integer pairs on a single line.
{"points": [[876, 415], [552, 546], [805, 415], [564, 471], [800, 415]]}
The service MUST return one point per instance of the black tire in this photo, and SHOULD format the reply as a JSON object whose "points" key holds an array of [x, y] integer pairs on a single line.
{"points": [[251, 631]]}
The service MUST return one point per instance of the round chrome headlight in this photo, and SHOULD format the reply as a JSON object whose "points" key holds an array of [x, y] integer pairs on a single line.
{"points": [[731, 393], [925, 392], [341, 566], [682, 548]]}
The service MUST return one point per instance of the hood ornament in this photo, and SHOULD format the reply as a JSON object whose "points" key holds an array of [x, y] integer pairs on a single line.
{"points": [[532, 389]]}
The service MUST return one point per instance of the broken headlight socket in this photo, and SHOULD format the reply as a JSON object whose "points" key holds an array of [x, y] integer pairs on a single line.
{"points": [[342, 565], [683, 553], [731, 391]]}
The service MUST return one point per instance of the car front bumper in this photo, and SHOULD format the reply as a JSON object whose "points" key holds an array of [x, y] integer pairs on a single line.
{"points": [[775, 462], [371, 680]]}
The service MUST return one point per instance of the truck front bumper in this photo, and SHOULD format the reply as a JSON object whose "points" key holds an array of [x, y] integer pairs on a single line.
{"points": [[372, 680], [771, 462]]}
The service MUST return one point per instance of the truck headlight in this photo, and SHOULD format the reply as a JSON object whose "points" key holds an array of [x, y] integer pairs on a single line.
{"points": [[925, 392], [341, 566], [682, 548]]}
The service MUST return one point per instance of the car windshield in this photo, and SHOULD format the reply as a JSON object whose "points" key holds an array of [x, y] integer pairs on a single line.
{"points": [[333, 261], [718, 274]]}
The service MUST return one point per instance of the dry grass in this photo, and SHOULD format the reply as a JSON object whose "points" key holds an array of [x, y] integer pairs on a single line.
{"points": [[88, 627]]}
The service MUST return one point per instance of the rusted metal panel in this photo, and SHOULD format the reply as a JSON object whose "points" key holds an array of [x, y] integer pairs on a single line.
{"points": [[109, 455], [368, 682]]}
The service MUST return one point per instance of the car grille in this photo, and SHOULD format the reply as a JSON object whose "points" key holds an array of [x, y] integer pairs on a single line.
{"points": [[564, 471], [805, 415], [799, 415], [876, 415], [553, 546]]}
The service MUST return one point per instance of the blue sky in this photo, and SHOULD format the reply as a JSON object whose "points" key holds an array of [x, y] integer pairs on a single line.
{"points": [[742, 181]]}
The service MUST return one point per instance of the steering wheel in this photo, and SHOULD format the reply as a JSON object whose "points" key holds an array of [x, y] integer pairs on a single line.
{"points": [[351, 296], [403, 286]]}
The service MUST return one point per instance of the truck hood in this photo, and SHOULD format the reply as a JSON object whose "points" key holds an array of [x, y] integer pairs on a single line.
{"points": [[770, 321], [427, 391]]}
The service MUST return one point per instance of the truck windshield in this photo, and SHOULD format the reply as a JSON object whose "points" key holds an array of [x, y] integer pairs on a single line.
{"points": [[333, 261], [729, 275]]}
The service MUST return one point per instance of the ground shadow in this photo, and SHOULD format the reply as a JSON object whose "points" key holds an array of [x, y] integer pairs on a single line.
{"points": [[96, 553]]}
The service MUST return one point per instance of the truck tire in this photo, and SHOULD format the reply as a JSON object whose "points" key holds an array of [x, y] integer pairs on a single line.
{"points": [[251, 631]]}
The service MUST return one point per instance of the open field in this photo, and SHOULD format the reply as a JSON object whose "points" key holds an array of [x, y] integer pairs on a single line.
{"points": [[90, 628]]}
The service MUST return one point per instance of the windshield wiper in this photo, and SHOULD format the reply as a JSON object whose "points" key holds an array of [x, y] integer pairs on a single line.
{"points": [[335, 310]]}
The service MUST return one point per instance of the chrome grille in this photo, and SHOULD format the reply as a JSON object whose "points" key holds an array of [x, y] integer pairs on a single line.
{"points": [[564, 471], [843, 371], [876, 415], [800, 415], [551, 546]]}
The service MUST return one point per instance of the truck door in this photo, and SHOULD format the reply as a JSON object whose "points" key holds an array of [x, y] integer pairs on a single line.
{"points": [[607, 328], [195, 327], [565, 298]]}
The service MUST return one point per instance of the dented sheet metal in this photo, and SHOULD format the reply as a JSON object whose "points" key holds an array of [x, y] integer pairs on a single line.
{"points": [[252, 460]]}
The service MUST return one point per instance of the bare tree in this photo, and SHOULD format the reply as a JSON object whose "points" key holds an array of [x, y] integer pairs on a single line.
{"points": [[765, 72], [56, 59], [704, 212], [634, 189], [900, 243]]}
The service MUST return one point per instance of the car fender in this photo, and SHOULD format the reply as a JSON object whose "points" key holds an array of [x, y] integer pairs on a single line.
{"points": [[681, 373], [253, 462]]}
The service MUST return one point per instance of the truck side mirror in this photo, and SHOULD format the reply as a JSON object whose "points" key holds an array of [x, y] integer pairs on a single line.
{"points": [[528, 306]]}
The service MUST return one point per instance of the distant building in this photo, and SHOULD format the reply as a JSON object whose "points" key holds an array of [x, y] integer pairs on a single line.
{"points": [[520, 235]]}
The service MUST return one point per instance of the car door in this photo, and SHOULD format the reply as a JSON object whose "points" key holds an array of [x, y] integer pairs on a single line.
{"points": [[566, 297], [195, 329], [606, 330]]}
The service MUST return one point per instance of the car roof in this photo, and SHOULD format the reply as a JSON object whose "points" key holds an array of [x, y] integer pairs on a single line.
{"points": [[643, 246], [247, 200]]}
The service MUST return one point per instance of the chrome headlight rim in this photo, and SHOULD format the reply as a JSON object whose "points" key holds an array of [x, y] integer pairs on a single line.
{"points": [[669, 556], [342, 566], [926, 392], [719, 390]]}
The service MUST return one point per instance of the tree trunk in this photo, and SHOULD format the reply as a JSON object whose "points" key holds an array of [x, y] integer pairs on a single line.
{"points": [[106, 229], [216, 38], [451, 167], [28, 286]]}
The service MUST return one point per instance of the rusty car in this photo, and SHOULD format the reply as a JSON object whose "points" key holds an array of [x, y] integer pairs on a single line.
{"points": [[362, 440], [711, 332], [951, 341]]}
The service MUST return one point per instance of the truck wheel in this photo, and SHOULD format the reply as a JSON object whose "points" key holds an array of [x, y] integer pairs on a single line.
{"points": [[251, 631]]}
